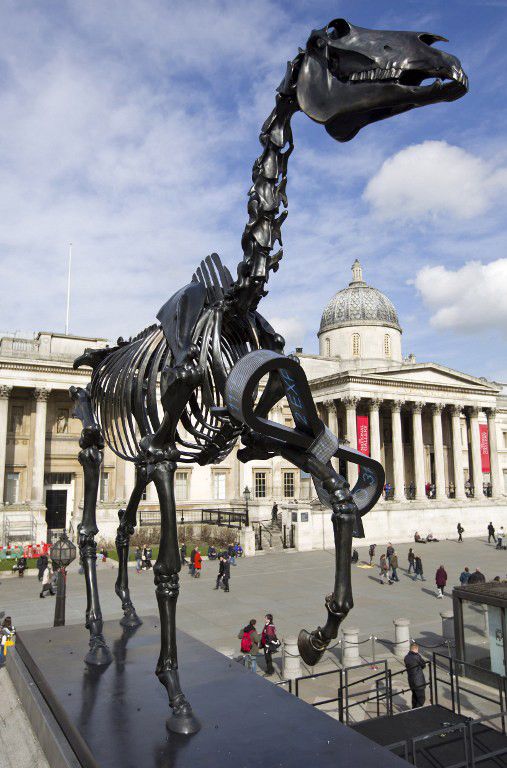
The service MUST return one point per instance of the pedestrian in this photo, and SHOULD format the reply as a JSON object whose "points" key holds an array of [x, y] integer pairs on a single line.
{"points": [[20, 566], [394, 566], [461, 531], [411, 491], [269, 643], [371, 552], [197, 563], [389, 552], [221, 571], [384, 570], [7, 634], [47, 585], [468, 489], [477, 577], [355, 556], [411, 560], [232, 554], [250, 645], [42, 561], [183, 553], [440, 580], [191, 566], [147, 552], [464, 576], [227, 574], [414, 664], [274, 513], [418, 569], [500, 538], [491, 533], [387, 490], [212, 552], [139, 559], [427, 489]]}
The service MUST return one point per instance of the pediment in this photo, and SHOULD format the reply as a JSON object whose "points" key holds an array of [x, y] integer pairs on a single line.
{"points": [[438, 375]]}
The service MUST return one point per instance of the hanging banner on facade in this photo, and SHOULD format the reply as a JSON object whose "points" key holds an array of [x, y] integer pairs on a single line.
{"points": [[484, 440], [363, 435]]}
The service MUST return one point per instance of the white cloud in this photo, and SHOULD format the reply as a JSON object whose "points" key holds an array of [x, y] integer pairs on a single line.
{"points": [[291, 328], [467, 300], [434, 180]]}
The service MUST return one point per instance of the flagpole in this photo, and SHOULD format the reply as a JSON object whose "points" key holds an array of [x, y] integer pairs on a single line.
{"points": [[68, 292]]}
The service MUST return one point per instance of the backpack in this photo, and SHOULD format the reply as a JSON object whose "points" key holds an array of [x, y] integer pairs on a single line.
{"points": [[246, 642]]}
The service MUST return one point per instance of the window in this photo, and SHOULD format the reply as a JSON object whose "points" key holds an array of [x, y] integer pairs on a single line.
{"points": [[12, 488], [505, 439], [328, 347], [104, 486], [219, 481], [387, 345], [144, 495], [260, 485], [356, 345], [62, 421], [181, 486], [288, 485], [289, 422], [505, 480]]}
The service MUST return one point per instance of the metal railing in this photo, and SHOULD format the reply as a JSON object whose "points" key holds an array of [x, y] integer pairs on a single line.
{"points": [[456, 669], [289, 537], [226, 517]]}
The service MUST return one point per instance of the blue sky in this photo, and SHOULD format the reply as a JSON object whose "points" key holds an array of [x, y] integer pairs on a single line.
{"points": [[130, 129]]}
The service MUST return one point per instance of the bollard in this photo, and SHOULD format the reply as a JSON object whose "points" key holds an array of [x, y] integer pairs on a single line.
{"points": [[447, 624], [291, 660], [350, 645], [401, 637]]}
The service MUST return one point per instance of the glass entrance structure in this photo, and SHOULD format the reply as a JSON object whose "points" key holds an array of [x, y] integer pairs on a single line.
{"points": [[480, 625]]}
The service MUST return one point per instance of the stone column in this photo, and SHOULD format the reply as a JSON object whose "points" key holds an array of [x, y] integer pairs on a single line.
{"points": [[5, 392], [496, 480], [401, 637], [457, 452], [418, 447], [398, 458], [39, 444], [374, 406], [350, 409], [476, 452], [350, 645], [291, 660], [438, 448], [332, 421], [130, 478]]}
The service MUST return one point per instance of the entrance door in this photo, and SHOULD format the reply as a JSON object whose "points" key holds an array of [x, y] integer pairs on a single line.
{"points": [[56, 513]]}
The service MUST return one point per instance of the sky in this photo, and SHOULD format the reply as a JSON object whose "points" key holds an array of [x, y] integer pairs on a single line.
{"points": [[129, 128]]}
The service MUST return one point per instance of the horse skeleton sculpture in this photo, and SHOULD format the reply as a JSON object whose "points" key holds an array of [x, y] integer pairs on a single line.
{"points": [[211, 348]]}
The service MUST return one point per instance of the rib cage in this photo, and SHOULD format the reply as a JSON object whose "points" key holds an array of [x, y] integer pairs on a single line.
{"points": [[125, 387]]}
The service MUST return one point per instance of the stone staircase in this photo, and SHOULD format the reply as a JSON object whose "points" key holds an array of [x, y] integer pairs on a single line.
{"points": [[274, 536]]}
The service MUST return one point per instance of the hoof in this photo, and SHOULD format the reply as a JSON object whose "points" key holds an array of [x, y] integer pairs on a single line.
{"points": [[99, 656], [186, 724], [132, 620], [310, 655]]}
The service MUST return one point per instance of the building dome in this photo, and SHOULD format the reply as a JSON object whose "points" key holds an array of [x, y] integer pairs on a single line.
{"points": [[359, 304]]}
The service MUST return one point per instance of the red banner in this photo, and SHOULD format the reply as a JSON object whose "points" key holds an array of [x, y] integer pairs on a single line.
{"points": [[363, 435], [484, 439]]}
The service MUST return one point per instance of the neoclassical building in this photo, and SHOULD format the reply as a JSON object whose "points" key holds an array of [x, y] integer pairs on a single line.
{"points": [[441, 435]]}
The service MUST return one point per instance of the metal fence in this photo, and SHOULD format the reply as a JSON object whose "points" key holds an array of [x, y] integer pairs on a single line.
{"points": [[226, 517]]}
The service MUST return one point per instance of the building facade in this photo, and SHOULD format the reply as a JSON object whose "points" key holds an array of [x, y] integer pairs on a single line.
{"points": [[440, 434]]}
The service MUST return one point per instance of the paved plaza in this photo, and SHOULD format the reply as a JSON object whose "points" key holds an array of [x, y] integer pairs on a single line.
{"points": [[290, 585]]}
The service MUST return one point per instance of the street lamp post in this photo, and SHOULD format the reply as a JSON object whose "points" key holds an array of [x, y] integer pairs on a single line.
{"points": [[62, 553], [246, 496]]}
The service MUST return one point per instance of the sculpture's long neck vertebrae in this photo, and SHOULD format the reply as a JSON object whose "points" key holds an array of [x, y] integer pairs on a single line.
{"points": [[267, 195]]}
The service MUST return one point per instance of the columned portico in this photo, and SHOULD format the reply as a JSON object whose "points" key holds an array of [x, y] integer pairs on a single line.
{"points": [[496, 486], [398, 459], [39, 445], [374, 406], [418, 450], [476, 452], [457, 452], [438, 448], [5, 392], [351, 423]]}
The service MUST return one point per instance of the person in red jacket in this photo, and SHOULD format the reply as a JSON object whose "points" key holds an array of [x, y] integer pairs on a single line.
{"points": [[197, 563], [269, 643], [441, 581]]}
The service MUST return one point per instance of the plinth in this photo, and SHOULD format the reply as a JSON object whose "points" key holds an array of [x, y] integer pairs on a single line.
{"points": [[115, 717]]}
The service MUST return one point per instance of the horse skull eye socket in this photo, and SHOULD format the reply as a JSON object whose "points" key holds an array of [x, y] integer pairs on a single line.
{"points": [[338, 28], [429, 39]]}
